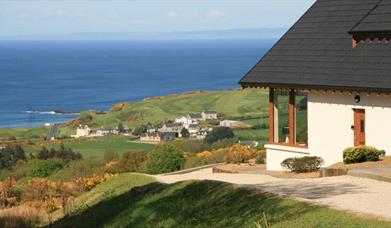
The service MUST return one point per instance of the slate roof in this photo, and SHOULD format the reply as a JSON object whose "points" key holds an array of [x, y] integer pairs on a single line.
{"points": [[317, 52], [378, 19]]}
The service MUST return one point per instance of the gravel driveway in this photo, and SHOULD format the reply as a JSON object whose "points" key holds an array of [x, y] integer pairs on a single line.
{"points": [[344, 192]]}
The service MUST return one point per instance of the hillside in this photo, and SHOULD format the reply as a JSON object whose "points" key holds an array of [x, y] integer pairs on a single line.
{"points": [[250, 103], [202, 204]]}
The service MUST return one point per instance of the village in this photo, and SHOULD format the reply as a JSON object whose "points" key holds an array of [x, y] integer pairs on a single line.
{"points": [[195, 126]]}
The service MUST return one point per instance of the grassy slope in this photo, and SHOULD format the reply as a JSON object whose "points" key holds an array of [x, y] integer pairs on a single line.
{"points": [[24, 133], [230, 103], [106, 191], [97, 147], [208, 204]]}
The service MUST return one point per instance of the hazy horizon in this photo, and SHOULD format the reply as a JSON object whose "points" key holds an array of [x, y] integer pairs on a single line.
{"points": [[45, 19]]}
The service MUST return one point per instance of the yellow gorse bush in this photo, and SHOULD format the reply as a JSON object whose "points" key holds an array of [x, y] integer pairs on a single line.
{"points": [[90, 182], [204, 154]]}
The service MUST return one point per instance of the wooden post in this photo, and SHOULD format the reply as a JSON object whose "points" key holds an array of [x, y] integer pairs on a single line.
{"points": [[292, 118], [271, 115]]}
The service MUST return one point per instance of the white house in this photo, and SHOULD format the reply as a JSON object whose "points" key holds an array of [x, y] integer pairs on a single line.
{"points": [[329, 81], [209, 115], [231, 123], [185, 121], [193, 129], [82, 131]]}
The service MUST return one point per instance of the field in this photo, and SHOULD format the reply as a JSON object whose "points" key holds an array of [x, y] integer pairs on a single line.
{"points": [[96, 147], [201, 204]]}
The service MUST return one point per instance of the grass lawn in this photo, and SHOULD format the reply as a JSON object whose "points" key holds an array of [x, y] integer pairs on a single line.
{"points": [[24, 133], [205, 204], [261, 135], [96, 147]]}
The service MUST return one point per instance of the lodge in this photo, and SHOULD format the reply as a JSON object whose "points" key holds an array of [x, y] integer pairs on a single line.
{"points": [[329, 81]]}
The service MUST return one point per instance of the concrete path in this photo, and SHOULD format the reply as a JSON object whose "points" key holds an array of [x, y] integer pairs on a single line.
{"points": [[354, 194]]}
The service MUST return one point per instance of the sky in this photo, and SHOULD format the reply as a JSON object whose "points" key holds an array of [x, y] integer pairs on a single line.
{"points": [[60, 17]]}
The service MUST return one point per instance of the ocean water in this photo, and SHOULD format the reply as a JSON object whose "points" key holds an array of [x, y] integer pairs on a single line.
{"points": [[38, 77]]}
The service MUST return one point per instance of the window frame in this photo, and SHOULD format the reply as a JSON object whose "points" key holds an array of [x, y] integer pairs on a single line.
{"points": [[292, 120]]}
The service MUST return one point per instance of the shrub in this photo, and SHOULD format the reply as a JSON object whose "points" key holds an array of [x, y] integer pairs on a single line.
{"points": [[63, 153], [259, 160], [47, 169], [110, 155], [239, 154], [23, 216], [133, 161], [194, 146], [219, 133], [185, 133], [164, 158], [361, 154], [302, 164], [10, 155], [224, 143]]}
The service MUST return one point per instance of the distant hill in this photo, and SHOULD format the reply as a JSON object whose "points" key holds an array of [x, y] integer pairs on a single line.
{"points": [[258, 33]]}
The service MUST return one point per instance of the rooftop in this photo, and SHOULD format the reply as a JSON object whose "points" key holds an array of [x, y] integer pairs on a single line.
{"points": [[317, 52]]}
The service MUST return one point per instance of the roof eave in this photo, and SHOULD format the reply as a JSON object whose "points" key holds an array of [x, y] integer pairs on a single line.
{"points": [[314, 87]]}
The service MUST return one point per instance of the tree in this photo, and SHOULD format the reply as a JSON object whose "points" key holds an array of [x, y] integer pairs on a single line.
{"points": [[140, 130], [219, 133], [121, 128], [43, 154], [10, 155], [185, 133], [165, 158]]}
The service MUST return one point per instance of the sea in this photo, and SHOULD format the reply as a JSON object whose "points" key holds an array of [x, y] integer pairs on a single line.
{"points": [[41, 79]]}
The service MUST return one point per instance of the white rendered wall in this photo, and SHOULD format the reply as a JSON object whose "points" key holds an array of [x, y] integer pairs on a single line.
{"points": [[275, 154], [330, 117]]}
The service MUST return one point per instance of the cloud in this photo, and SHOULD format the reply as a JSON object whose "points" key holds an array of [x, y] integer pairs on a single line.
{"points": [[172, 14], [215, 14]]}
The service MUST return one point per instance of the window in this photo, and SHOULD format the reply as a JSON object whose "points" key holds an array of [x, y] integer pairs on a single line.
{"points": [[288, 117], [281, 117], [301, 119]]}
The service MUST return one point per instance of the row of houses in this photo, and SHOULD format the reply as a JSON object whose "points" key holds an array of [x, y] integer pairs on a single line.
{"points": [[85, 131], [172, 130]]}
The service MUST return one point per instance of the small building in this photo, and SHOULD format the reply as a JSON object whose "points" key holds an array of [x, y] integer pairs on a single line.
{"points": [[202, 134], [249, 144], [158, 136], [151, 137], [232, 123], [209, 115], [184, 120], [193, 129], [151, 129], [171, 127], [107, 131], [329, 80], [82, 131], [195, 118]]}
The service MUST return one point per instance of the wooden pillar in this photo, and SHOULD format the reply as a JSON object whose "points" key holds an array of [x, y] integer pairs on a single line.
{"points": [[292, 117], [271, 115]]}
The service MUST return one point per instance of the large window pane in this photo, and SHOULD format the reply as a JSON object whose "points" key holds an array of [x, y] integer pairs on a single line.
{"points": [[281, 116], [301, 119]]}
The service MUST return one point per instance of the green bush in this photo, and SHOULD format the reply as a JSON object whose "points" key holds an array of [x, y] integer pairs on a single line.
{"points": [[361, 154], [259, 160], [165, 158], [302, 164], [219, 133], [47, 169], [133, 161]]}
